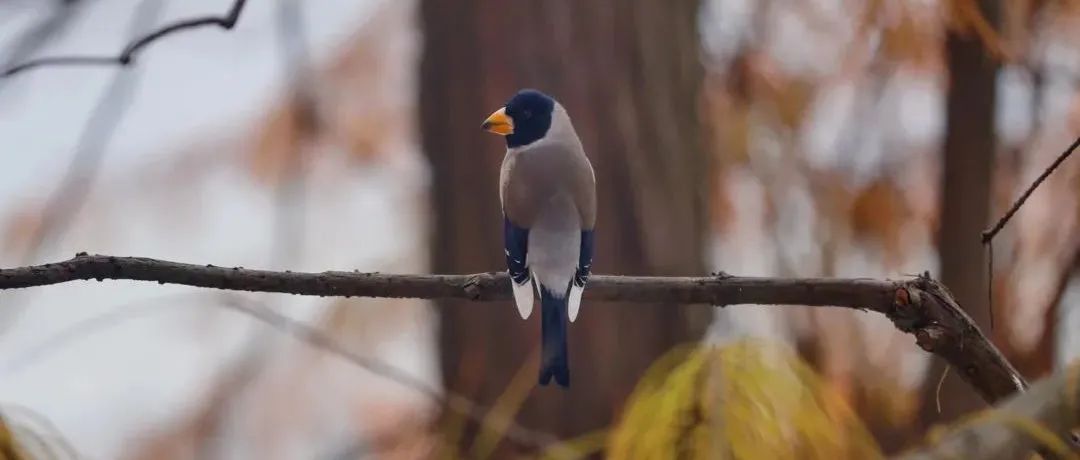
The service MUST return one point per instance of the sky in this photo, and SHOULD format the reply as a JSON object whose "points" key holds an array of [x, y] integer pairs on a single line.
{"points": [[156, 350]]}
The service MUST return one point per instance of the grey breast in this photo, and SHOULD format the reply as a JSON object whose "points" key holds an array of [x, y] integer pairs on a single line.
{"points": [[548, 188], [534, 175]]}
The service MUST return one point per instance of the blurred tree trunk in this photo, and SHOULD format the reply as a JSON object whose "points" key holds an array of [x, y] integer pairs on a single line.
{"points": [[965, 200], [629, 73]]}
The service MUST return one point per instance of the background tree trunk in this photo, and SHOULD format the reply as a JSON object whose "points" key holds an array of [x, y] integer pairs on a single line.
{"points": [[966, 194], [629, 73]]}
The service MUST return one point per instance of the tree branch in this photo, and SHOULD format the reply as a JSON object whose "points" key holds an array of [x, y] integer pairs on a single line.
{"points": [[989, 234], [1039, 419], [921, 306], [448, 399], [65, 202], [39, 34], [127, 56]]}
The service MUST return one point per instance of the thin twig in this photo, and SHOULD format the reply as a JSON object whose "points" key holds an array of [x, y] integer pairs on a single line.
{"points": [[109, 111], [937, 392], [921, 306], [989, 234], [288, 236], [64, 203], [50, 344], [301, 108], [39, 35], [293, 328], [453, 401], [990, 282], [130, 52], [1036, 420]]}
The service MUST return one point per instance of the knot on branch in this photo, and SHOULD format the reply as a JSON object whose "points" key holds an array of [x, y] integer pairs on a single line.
{"points": [[908, 313], [919, 306], [930, 337], [473, 287]]}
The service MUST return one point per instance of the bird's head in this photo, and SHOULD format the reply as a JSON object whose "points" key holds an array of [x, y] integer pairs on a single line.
{"points": [[526, 118]]}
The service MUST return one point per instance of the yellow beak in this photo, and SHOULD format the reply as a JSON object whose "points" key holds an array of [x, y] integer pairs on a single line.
{"points": [[499, 123]]}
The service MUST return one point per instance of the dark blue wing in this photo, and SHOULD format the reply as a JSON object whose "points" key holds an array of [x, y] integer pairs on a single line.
{"points": [[516, 244], [584, 259]]}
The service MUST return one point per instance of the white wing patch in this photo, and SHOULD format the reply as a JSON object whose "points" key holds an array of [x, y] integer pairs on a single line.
{"points": [[574, 303], [523, 297]]}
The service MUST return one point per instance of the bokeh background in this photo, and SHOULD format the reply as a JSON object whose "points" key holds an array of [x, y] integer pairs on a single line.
{"points": [[851, 138]]}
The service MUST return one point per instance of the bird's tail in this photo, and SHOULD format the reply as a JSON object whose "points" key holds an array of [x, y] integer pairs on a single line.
{"points": [[554, 353]]}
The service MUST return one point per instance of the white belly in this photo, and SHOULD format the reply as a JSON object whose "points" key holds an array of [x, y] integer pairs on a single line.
{"points": [[555, 245]]}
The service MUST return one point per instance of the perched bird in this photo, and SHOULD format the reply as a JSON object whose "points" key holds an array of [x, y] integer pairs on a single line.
{"points": [[548, 195]]}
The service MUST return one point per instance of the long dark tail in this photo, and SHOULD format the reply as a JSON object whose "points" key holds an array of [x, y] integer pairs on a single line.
{"points": [[554, 353]]}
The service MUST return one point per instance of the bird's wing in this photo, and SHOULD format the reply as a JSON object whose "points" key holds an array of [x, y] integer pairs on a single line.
{"points": [[584, 187], [516, 247], [584, 268]]}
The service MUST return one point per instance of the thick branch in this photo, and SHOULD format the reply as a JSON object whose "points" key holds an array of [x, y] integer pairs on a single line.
{"points": [[920, 306], [1040, 419], [127, 56]]}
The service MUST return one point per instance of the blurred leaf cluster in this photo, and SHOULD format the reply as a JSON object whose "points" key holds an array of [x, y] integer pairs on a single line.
{"points": [[747, 399], [743, 400], [25, 435]]}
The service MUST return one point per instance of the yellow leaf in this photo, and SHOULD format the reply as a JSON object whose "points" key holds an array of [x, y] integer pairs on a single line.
{"points": [[749, 399]]}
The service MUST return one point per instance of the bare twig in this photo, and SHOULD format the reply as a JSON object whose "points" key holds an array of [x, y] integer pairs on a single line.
{"points": [[1040, 419], [283, 325], [990, 282], [937, 391], [302, 109], [288, 233], [990, 233], [66, 337], [129, 53], [101, 124], [108, 112], [920, 306], [65, 202], [452, 401], [39, 35]]}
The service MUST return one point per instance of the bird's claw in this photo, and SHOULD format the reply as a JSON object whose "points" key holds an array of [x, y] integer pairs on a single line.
{"points": [[721, 275]]}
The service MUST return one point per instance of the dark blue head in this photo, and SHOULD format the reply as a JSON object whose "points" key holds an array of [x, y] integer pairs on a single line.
{"points": [[524, 119]]}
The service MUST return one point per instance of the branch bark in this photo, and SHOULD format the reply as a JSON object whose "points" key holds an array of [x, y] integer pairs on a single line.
{"points": [[1040, 419], [921, 306]]}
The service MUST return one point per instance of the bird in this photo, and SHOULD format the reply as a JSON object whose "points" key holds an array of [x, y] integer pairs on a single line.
{"points": [[547, 190]]}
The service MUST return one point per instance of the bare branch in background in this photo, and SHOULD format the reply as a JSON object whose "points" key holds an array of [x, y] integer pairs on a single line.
{"points": [[1039, 419], [280, 324], [39, 34], [289, 221], [989, 234], [71, 334], [129, 53], [921, 306], [452, 401], [65, 202], [303, 108], [111, 107]]}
